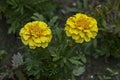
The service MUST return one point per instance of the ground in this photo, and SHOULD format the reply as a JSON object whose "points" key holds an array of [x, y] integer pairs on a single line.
{"points": [[94, 67]]}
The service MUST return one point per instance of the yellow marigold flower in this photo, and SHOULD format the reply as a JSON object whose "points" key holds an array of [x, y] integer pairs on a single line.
{"points": [[81, 28], [36, 34]]}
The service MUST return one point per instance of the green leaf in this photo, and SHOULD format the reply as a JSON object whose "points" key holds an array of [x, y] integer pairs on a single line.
{"points": [[87, 46], [53, 54], [20, 74], [83, 58], [76, 62], [29, 67], [2, 52], [64, 60], [73, 10], [78, 71], [112, 71], [38, 17], [117, 30], [56, 58], [52, 21], [79, 4], [11, 2], [13, 27], [85, 4], [104, 23], [58, 32], [95, 43], [104, 77]]}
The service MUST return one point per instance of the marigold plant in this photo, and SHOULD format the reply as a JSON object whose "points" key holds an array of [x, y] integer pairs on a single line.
{"points": [[36, 34], [81, 28]]}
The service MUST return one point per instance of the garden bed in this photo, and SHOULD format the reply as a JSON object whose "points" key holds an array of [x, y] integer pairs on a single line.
{"points": [[102, 67]]}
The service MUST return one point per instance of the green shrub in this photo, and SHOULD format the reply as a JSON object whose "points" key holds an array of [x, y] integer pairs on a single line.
{"points": [[107, 13], [18, 12], [59, 61]]}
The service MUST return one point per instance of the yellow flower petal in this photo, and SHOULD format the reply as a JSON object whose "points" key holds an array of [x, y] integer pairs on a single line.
{"points": [[46, 32], [75, 37], [81, 26], [25, 42], [94, 28], [80, 40], [87, 38], [73, 31], [89, 34], [25, 37], [43, 39], [68, 33], [22, 31], [31, 42], [44, 45], [32, 47], [82, 34], [36, 40], [94, 34], [35, 34]]}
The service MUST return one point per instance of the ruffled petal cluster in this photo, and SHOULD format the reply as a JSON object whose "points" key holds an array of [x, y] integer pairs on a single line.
{"points": [[81, 28], [36, 34]]}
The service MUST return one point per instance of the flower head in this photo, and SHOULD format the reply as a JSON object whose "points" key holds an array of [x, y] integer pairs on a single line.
{"points": [[36, 34], [81, 28]]}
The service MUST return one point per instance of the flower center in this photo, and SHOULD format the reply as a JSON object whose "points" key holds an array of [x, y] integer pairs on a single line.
{"points": [[82, 23], [35, 31]]}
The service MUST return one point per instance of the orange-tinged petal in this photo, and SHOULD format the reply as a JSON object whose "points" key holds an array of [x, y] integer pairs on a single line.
{"points": [[35, 34], [81, 26]]}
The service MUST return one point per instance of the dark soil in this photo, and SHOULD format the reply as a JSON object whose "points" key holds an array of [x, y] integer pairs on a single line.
{"points": [[8, 42], [98, 67]]}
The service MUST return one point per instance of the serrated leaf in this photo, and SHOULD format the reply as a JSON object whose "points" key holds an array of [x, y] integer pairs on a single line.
{"points": [[64, 60], [20, 75], [104, 23], [95, 43], [76, 62], [11, 2], [110, 70], [53, 54], [29, 67], [83, 58], [52, 21], [37, 16], [87, 46], [58, 32], [17, 60], [79, 4], [56, 58], [85, 4], [117, 30], [73, 10], [98, 51], [14, 25], [2, 52], [78, 71]]}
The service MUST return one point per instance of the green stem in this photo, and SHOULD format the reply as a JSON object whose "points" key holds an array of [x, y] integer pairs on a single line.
{"points": [[85, 4], [20, 75]]}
